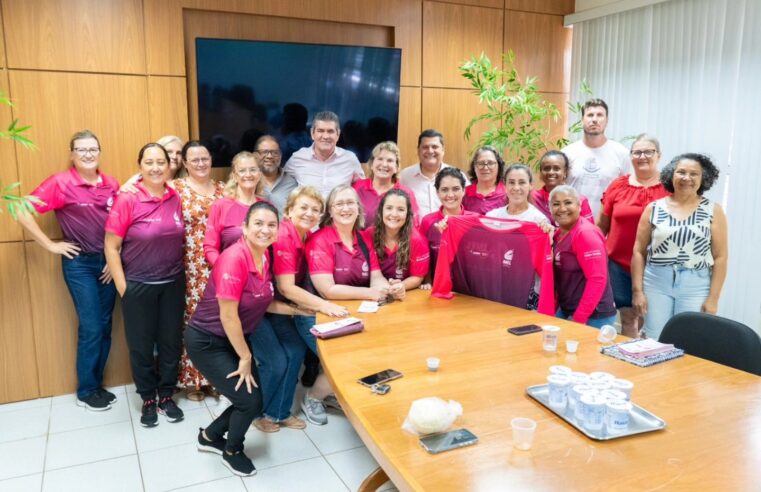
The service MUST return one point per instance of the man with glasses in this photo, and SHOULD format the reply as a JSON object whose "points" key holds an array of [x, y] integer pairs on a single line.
{"points": [[420, 176], [595, 160], [324, 165], [276, 184]]}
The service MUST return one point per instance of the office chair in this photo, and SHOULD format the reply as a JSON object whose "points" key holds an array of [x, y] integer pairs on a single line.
{"points": [[715, 338]]}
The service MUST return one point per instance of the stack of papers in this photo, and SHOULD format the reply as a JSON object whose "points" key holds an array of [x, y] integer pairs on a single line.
{"points": [[644, 348], [333, 326], [650, 354]]}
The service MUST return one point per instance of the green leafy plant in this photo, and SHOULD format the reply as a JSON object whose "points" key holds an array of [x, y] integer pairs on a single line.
{"points": [[518, 118], [577, 108], [9, 200]]}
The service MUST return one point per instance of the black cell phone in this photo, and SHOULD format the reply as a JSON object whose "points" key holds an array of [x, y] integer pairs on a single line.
{"points": [[438, 443], [380, 377], [525, 330]]}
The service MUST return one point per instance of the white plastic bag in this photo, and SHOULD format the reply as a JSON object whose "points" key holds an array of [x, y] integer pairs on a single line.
{"points": [[431, 415]]}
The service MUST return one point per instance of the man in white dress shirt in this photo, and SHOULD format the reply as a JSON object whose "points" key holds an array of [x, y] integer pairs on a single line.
{"points": [[420, 176], [323, 164], [595, 160]]}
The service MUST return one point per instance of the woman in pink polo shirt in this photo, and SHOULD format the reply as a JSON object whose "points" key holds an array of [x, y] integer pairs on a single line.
{"points": [[486, 191], [341, 264], [384, 176], [402, 251], [143, 247], [225, 223], [219, 335], [81, 197], [580, 264]]}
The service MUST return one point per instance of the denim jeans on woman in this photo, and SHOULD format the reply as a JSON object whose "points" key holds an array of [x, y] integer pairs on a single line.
{"points": [[670, 290], [94, 303], [594, 323], [280, 351]]}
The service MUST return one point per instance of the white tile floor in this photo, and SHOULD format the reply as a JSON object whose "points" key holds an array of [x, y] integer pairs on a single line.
{"points": [[50, 444]]}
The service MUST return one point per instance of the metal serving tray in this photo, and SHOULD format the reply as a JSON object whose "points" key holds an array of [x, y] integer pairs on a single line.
{"points": [[641, 420]]}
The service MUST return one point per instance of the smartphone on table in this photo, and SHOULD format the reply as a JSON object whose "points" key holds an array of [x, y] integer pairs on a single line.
{"points": [[444, 441], [379, 377], [524, 330]]}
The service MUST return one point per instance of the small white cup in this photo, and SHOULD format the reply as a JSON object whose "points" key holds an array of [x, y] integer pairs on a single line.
{"points": [[594, 410], [617, 416], [613, 395], [561, 370], [607, 334], [624, 385], [577, 392], [523, 433], [550, 335], [571, 346], [433, 363], [558, 389]]}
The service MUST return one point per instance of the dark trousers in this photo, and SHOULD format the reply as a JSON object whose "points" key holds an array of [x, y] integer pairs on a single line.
{"points": [[215, 357], [94, 302], [153, 318]]}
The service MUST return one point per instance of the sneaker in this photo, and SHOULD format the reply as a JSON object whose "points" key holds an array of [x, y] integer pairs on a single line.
{"points": [[292, 422], [239, 464], [314, 410], [107, 395], [94, 402], [332, 402], [265, 424], [169, 409], [216, 447], [149, 417]]}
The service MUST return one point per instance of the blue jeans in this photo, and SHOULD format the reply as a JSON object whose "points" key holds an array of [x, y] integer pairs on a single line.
{"points": [[279, 351], [621, 283], [670, 290], [594, 323], [94, 303]]}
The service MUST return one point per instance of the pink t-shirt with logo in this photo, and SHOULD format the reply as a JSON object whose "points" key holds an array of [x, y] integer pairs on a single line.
{"points": [[235, 278], [152, 233], [326, 253], [223, 227], [81, 208], [419, 257], [475, 202], [429, 231], [581, 273], [371, 199]]}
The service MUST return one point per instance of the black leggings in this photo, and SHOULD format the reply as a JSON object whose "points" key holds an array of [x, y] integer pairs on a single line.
{"points": [[215, 357]]}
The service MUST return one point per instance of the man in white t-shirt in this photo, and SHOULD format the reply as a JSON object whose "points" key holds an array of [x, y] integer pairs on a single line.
{"points": [[595, 160], [420, 176]]}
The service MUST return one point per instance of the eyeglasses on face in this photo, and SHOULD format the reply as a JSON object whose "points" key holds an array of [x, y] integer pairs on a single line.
{"points": [[486, 164], [346, 204], [83, 151], [273, 153], [644, 153]]}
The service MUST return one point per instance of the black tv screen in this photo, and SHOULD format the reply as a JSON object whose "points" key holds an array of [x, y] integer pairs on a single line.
{"points": [[247, 89]]}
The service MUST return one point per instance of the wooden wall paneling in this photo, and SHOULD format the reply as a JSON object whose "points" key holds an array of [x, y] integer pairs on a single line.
{"points": [[115, 107], [557, 7], [542, 48], [495, 4], [199, 24], [9, 229], [164, 47], [168, 106], [449, 111], [454, 33], [560, 128], [410, 101], [18, 367], [78, 35], [2, 41]]}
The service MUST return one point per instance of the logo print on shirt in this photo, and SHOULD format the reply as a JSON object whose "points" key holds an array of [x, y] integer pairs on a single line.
{"points": [[591, 166], [365, 268], [177, 221], [507, 259], [399, 273], [109, 203]]}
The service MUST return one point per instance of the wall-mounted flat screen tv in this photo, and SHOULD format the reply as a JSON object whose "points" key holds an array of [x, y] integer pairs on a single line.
{"points": [[251, 88]]}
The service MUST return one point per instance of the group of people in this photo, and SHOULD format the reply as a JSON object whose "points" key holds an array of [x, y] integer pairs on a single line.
{"points": [[220, 282]]}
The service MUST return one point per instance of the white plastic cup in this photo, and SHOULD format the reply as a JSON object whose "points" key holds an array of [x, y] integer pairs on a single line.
{"points": [[579, 378], [607, 334], [571, 346], [577, 392], [433, 363], [594, 411], [550, 335], [558, 391], [613, 395], [561, 370], [617, 415], [624, 385], [523, 433], [601, 385], [601, 376]]}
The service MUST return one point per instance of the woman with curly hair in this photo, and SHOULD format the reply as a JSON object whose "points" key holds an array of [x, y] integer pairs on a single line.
{"points": [[402, 251], [680, 255]]}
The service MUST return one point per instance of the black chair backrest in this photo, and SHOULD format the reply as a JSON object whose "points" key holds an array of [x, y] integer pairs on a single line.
{"points": [[715, 338]]}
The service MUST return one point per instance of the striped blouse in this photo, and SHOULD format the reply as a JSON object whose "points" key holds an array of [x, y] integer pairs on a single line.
{"points": [[687, 242]]}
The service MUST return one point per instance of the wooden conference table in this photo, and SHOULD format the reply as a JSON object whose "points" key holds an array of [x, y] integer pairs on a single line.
{"points": [[713, 413]]}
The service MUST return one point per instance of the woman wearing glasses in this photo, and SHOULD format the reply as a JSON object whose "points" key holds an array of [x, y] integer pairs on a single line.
{"points": [[81, 197], [622, 206], [486, 192], [197, 192]]}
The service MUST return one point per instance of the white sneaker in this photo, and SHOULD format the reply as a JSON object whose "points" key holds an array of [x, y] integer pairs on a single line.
{"points": [[314, 410]]}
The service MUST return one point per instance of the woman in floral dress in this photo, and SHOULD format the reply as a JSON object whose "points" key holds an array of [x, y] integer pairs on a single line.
{"points": [[197, 192]]}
